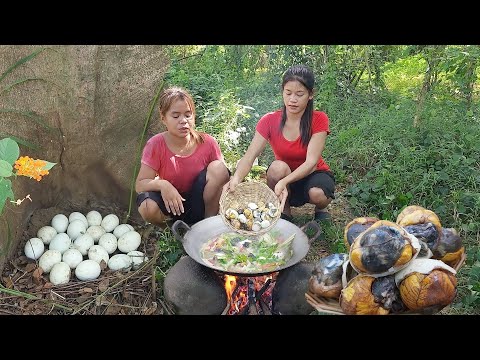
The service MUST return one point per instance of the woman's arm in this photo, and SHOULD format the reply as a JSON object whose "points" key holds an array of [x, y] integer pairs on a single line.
{"points": [[314, 152], [146, 180], [246, 162]]}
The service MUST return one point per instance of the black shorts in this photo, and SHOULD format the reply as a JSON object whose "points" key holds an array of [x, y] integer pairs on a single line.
{"points": [[193, 205], [319, 179]]}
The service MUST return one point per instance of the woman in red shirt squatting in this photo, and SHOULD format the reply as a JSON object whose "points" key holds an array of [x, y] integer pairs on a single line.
{"points": [[182, 170], [297, 135]]}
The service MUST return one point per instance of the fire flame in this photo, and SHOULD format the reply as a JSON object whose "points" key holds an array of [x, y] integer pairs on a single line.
{"points": [[237, 291], [230, 285]]}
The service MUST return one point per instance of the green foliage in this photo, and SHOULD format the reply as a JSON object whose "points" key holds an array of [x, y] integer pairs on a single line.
{"points": [[257, 173], [381, 163], [225, 121], [471, 298], [170, 251], [9, 153], [404, 77]]}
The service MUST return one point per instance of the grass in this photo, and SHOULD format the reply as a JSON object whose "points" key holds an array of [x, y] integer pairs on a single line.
{"points": [[379, 159]]}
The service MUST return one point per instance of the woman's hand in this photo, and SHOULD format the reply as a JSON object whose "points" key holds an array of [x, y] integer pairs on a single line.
{"points": [[230, 186], [282, 192], [172, 199]]}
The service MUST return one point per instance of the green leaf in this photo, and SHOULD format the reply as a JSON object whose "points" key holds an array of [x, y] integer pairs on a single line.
{"points": [[21, 141], [49, 165], [30, 114], [5, 192], [5, 169], [9, 150], [20, 62], [21, 81]]}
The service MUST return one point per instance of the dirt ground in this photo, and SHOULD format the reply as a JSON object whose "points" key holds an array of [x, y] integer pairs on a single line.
{"points": [[25, 290]]}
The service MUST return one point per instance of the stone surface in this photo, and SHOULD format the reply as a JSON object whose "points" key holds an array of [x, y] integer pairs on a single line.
{"points": [[194, 289], [290, 288]]}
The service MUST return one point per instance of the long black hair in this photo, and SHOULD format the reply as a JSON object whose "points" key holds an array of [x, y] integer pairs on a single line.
{"points": [[305, 76]]}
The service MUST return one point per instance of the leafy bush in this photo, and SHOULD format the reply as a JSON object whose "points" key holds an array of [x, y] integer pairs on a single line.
{"points": [[10, 159]]}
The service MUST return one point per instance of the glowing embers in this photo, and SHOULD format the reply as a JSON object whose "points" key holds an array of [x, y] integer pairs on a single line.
{"points": [[249, 295]]}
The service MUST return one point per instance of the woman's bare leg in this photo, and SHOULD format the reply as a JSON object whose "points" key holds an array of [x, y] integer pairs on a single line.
{"points": [[151, 213], [277, 171], [217, 176], [318, 198]]}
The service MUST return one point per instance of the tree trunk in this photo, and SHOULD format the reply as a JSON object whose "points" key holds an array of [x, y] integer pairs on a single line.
{"points": [[433, 55], [367, 65], [471, 78]]}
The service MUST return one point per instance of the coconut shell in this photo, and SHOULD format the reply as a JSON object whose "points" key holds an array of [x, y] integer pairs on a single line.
{"points": [[357, 298], [428, 292], [419, 216], [383, 249], [326, 279], [427, 285], [452, 259], [449, 242], [355, 228]]}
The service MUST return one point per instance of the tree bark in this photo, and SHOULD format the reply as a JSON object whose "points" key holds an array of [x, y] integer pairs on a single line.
{"points": [[432, 56]]}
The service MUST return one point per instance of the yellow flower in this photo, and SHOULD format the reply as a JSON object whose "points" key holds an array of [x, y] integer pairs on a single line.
{"points": [[33, 168]]}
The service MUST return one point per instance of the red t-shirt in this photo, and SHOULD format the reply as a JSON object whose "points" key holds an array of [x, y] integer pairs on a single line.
{"points": [[292, 152], [180, 171]]}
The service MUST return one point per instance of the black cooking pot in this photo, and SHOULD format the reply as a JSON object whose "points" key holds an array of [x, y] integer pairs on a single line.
{"points": [[211, 227]]}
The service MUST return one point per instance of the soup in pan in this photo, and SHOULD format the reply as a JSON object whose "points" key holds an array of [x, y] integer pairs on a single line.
{"points": [[233, 252]]}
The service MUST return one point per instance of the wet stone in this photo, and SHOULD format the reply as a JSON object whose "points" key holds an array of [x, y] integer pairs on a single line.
{"points": [[290, 288], [194, 289]]}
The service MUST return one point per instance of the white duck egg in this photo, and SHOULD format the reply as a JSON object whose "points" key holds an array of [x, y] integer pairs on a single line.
{"points": [[34, 248], [48, 259], [60, 274], [130, 227], [121, 229], [46, 233], [72, 257], [76, 228], [94, 218], [137, 258], [78, 216], [242, 218], [98, 253], [109, 242], [129, 241], [60, 223], [87, 270], [60, 242], [265, 224], [120, 262], [83, 243], [110, 222], [96, 232]]}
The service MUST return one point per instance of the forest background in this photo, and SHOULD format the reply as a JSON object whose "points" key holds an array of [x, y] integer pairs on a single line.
{"points": [[404, 121], [404, 124]]}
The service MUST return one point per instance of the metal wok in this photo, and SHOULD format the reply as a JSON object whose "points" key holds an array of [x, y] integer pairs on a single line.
{"points": [[211, 227]]}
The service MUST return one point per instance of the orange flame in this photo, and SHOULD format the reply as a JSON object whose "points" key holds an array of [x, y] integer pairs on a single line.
{"points": [[230, 284]]}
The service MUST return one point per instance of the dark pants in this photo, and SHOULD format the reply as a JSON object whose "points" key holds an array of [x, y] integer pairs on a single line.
{"points": [[193, 205], [319, 179]]}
